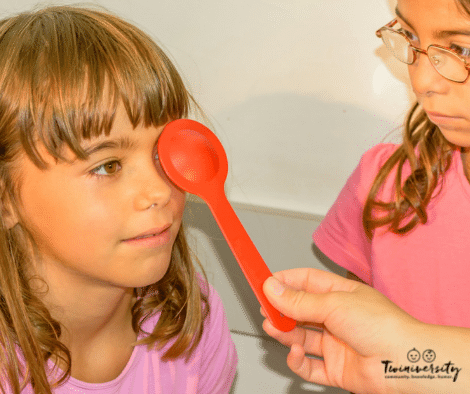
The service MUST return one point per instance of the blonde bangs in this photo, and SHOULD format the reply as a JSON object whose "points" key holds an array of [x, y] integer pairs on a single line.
{"points": [[63, 74]]}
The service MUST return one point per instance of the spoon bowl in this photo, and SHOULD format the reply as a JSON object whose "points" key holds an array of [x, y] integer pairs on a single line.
{"points": [[194, 160], [192, 156]]}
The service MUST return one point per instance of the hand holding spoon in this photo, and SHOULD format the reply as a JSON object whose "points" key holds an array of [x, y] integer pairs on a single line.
{"points": [[195, 160]]}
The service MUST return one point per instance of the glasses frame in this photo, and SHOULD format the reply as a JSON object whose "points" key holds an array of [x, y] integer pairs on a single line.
{"points": [[415, 50]]}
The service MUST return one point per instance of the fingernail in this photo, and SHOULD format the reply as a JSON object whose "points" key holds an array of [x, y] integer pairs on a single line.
{"points": [[276, 287]]}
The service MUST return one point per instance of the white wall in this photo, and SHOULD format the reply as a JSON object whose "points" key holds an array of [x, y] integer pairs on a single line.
{"points": [[297, 90]]}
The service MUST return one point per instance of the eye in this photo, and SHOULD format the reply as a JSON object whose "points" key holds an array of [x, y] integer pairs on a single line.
{"points": [[107, 169], [414, 39], [461, 51]]}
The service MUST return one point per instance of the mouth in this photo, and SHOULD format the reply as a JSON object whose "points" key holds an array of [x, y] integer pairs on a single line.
{"points": [[152, 238], [441, 119]]}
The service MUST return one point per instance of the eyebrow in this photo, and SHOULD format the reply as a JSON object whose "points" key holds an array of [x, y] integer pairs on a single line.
{"points": [[118, 143], [439, 34], [400, 15]]}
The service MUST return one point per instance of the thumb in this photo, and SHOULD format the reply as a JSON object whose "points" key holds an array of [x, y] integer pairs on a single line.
{"points": [[296, 304]]}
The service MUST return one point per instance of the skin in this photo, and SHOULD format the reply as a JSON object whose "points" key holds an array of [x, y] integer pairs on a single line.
{"points": [[81, 216], [355, 329], [359, 327], [425, 19]]}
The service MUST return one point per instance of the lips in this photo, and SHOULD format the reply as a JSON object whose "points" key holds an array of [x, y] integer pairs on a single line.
{"points": [[149, 233], [441, 119], [439, 115]]}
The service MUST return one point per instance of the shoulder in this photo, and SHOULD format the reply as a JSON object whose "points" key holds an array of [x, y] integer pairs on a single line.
{"points": [[360, 180], [216, 309], [216, 318], [373, 159]]}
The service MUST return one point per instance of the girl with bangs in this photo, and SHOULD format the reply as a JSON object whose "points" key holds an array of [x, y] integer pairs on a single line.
{"points": [[97, 287]]}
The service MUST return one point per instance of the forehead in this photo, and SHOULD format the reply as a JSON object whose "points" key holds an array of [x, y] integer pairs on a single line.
{"points": [[123, 134], [434, 15]]}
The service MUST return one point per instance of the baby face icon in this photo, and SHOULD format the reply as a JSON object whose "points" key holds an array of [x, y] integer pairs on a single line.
{"points": [[413, 355], [429, 355]]}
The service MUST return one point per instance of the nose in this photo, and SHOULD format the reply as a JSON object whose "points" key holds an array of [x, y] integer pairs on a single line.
{"points": [[425, 80], [153, 187]]}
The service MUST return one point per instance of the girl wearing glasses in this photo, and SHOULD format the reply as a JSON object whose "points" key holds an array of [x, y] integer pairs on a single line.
{"points": [[402, 225]]}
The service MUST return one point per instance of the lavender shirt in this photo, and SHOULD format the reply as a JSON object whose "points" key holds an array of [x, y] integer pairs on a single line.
{"points": [[211, 369]]}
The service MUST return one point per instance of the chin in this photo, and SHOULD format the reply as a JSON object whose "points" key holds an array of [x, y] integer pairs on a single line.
{"points": [[457, 137], [150, 276], [143, 271], [147, 280]]}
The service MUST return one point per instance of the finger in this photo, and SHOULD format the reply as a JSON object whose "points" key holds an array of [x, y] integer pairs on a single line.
{"points": [[314, 281], [310, 340], [312, 370], [286, 338], [263, 313], [305, 324], [299, 305]]}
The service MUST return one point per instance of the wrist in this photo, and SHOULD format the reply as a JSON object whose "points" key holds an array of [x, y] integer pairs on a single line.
{"points": [[396, 369], [430, 358]]}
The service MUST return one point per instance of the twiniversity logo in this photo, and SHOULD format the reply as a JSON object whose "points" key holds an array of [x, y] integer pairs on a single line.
{"points": [[421, 366]]}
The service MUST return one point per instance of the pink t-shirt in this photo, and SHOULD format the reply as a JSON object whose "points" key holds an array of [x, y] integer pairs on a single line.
{"points": [[426, 271], [210, 370]]}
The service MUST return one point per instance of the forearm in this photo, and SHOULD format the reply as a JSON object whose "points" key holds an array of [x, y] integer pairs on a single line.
{"points": [[443, 364], [366, 341]]}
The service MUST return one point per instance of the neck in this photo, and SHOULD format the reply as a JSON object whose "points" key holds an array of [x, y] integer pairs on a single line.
{"points": [[96, 319], [92, 317]]}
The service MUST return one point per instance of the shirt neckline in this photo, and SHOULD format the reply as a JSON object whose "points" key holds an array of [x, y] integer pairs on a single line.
{"points": [[105, 385]]}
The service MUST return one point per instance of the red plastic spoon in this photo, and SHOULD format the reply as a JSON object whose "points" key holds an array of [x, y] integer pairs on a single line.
{"points": [[195, 160]]}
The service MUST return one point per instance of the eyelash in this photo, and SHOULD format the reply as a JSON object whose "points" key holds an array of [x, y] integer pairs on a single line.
{"points": [[462, 51], [409, 35], [94, 171]]}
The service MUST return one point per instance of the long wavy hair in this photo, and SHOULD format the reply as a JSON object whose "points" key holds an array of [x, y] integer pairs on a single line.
{"points": [[428, 154], [63, 72]]}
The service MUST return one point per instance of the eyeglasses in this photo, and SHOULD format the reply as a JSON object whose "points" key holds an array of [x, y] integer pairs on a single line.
{"points": [[446, 61]]}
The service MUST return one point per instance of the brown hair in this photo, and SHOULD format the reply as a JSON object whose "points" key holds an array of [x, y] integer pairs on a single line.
{"points": [[425, 150], [63, 71], [429, 155]]}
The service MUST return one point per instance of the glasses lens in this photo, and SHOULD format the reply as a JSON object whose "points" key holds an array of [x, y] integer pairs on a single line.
{"points": [[448, 64], [398, 45]]}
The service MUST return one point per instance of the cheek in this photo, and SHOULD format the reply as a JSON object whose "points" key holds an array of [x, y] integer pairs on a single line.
{"points": [[64, 218]]}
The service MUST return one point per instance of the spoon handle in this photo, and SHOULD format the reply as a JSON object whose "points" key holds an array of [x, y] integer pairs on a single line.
{"points": [[249, 259]]}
